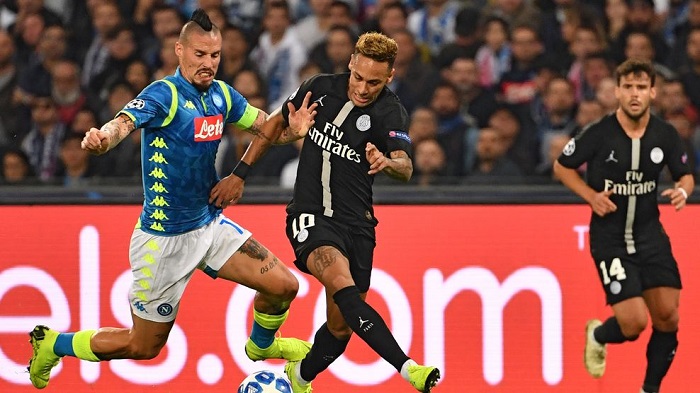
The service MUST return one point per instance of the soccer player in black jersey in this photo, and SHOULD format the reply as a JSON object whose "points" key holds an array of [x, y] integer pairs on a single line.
{"points": [[625, 153], [360, 130]]}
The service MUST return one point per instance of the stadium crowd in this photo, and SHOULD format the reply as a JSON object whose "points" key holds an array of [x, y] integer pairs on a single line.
{"points": [[494, 88]]}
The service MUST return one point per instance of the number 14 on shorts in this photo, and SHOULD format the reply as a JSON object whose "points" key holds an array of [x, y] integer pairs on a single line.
{"points": [[615, 271]]}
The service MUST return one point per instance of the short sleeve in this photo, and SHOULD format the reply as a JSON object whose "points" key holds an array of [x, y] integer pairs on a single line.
{"points": [[396, 127], [154, 106], [581, 148], [677, 160]]}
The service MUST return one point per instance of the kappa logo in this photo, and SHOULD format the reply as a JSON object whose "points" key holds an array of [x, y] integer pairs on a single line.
{"points": [[189, 105], [611, 157], [320, 100]]}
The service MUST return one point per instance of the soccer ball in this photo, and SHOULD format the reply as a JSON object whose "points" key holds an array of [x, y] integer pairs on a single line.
{"points": [[265, 381]]}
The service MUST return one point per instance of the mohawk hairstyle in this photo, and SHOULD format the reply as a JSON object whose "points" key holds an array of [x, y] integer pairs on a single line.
{"points": [[200, 17]]}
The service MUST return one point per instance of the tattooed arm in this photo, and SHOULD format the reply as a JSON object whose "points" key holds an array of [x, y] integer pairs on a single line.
{"points": [[397, 166], [108, 136]]}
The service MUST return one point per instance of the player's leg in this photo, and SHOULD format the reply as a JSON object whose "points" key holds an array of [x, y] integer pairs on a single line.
{"points": [[661, 349], [143, 340], [621, 281], [330, 342], [154, 298], [249, 263]]}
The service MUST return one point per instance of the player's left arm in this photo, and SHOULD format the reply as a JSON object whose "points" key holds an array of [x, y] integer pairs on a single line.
{"points": [[679, 195], [397, 166]]}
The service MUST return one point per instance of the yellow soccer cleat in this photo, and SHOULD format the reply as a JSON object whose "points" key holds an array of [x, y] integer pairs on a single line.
{"points": [[297, 387], [44, 359], [594, 352], [282, 348], [423, 378]]}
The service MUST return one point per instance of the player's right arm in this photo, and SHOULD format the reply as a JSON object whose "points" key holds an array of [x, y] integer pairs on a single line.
{"points": [[100, 141]]}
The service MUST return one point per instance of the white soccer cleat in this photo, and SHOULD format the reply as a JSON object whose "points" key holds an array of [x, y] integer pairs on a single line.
{"points": [[594, 352]]}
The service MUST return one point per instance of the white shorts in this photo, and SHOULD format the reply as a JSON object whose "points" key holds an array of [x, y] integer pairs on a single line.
{"points": [[163, 265]]}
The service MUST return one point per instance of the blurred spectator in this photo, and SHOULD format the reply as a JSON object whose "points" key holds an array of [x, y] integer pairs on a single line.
{"points": [[391, 18], [105, 18], [478, 103], [452, 127], [558, 116], [493, 57], [288, 175], [467, 38], [120, 93], [674, 18], [678, 58], [673, 99], [639, 45], [616, 19], [279, 54], [333, 54], [217, 15], [554, 148], [690, 76], [122, 49], [517, 85], [605, 94], [245, 14], [16, 169], [308, 70], [596, 67], [687, 128], [43, 142], [520, 141], [138, 75], [165, 21], [588, 39], [341, 14], [315, 26], [35, 78], [515, 12], [8, 82], [491, 159], [430, 164], [83, 120], [641, 17], [27, 33], [588, 111], [250, 84], [75, 169], [433, 26], [234, 54], [168, 58], [66, 91], [423, 125], [414, 80]]}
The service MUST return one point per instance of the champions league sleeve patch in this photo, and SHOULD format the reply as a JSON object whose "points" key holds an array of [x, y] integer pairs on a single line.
{"points": [[570, 147], [135, 104], [400, 135]]}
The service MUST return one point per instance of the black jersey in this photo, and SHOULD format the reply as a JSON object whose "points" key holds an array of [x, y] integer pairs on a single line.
{"points": [[630, 168], [332, 175]]}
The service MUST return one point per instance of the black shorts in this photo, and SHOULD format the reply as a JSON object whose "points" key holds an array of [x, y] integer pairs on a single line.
{"points": [[625, 276], [307, 232]]}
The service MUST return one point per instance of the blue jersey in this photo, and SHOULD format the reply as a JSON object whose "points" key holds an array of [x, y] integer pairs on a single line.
{"points": [[182, 128]]}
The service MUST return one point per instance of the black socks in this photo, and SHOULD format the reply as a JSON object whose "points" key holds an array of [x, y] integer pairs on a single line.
{"points": [[369, 325]]}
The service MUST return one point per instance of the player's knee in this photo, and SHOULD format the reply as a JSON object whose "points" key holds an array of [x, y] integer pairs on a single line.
{"points": [[667, 320], [286, 289], [633, 327]]}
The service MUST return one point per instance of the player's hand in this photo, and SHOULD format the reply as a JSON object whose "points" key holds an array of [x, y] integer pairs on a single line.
{"points": [[602, 204], [227, 191], [95, 141], [301, 120], [677, 197], [377, 160]]}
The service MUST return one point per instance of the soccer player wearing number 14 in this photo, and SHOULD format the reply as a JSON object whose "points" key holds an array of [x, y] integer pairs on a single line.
{"points": [[625, 152]]}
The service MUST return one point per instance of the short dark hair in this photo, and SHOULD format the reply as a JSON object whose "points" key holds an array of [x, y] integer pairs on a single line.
{"points": [[636, 67]]}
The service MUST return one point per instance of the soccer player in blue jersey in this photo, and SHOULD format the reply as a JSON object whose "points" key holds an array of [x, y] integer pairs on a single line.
{"points": [[180, 228]]}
